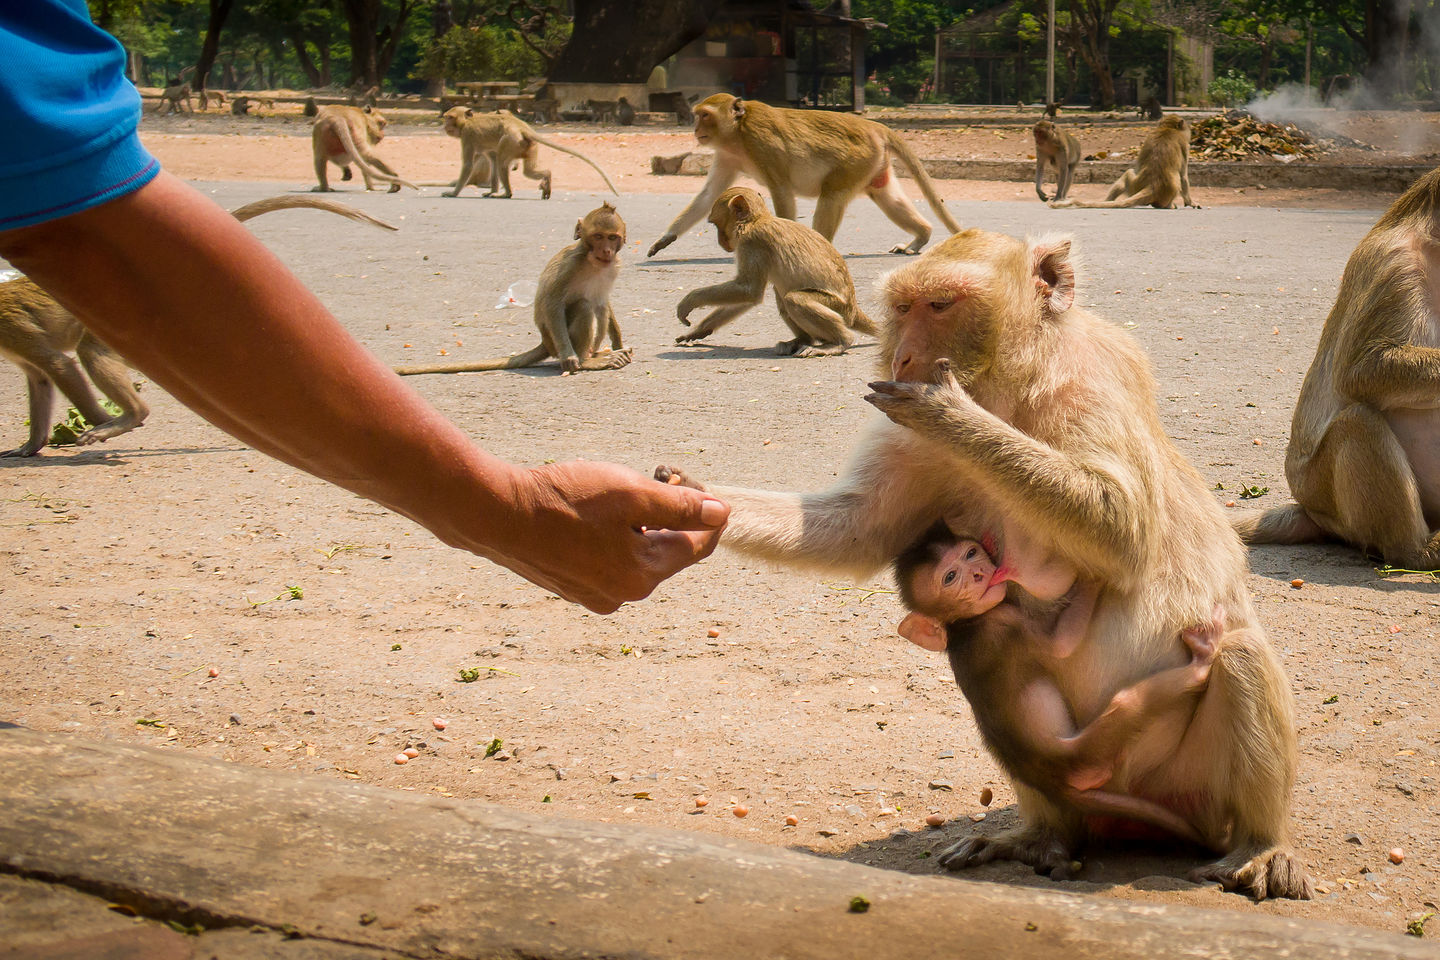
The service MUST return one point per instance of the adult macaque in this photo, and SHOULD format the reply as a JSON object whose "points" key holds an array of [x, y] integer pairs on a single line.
{"points": [[603, 110], [174, 98], [1010, 395], [1364, 457], [814, 291], [572, 305], [624, 112], [806, 153], [1056, 148], [38, 335], [208, 97], [500, 139], [1160, 175], [343, 135]]}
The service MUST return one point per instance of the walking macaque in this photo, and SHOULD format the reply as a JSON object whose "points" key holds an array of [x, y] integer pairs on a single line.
{"points": [[814, 291], [175, 97], [1160, 175], [208, 97], [1056, 148], [806, 153], [343, 135], [1364, 455], [38, 335], [501, 138], [572, 305], [603, 110], [1008, 393]]}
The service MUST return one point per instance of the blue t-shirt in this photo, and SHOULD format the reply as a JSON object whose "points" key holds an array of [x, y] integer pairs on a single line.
{"points": [[68, 115]]}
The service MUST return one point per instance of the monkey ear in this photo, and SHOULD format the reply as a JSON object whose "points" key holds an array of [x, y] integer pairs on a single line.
{"points": [[923, 631], [740, 208], [1051, 266], [469, 113], [578, 231], [738, 110]]}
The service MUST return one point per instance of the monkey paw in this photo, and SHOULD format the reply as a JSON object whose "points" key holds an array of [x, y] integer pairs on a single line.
{"points": [[1038, 848], [1273, 872], [692, 336], [394, 187], [677, 477], [661, 244], [909, 250]]}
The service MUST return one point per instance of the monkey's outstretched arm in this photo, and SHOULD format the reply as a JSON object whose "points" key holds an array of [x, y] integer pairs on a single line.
{"points": [[1091, 508], [722, 175]]}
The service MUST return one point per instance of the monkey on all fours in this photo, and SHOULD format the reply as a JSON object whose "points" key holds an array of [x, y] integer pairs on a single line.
{"points": [[1364, 456], [572, 305], [493, 142], [1160, 176], [814, 291], [343, 135], [1057, 149], [1002, 664], [806, 153], [1006, 393], [38, 335]]}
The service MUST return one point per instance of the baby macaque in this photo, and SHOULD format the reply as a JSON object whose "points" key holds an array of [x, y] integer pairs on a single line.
{"points": [[1002, 665], [947, 577]]}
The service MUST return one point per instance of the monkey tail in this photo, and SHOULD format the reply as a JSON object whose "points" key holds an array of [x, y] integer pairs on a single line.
{"points": [[1287, 524], [1134, 200], [574, 153], [861, 322], [342, 132], [922, 177], [527, 359], [251, 210]]}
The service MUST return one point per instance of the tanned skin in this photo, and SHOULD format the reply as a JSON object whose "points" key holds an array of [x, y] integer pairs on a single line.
{"points": [[806, 153], [814, 291]]}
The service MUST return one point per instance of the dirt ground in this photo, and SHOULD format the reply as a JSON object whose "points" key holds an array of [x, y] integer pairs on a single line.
{"points": [[339, 634]]}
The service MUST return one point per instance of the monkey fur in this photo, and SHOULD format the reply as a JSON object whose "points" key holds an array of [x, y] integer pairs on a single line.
{"points": [[1161, 173], [1056, 148], [499, 139], [343, 135]]}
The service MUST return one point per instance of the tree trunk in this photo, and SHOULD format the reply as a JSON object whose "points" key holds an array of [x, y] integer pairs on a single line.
{"points": [[618, 42], [219, 10], [372, 47], [1092, 17], [302, 54], [1387, 24]]}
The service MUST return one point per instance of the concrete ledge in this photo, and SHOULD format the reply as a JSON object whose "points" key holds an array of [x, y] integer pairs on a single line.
{"points": [[224, 845]]}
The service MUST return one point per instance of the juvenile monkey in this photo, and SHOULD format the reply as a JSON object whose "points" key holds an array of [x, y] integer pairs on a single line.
{"points": [[1004, 389], [814, 291], [1160, 175], [1364, 456], [174, 98], [572, 305], [208, 97], [1056, 148], [1003, 664], [500, 139], [806, 153], [38, 335], [343, 135]]}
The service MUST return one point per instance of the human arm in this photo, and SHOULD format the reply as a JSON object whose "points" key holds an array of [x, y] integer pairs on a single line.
{"points": [[189, 297]]}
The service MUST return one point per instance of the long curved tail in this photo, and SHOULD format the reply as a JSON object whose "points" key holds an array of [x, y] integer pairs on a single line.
{"points": [[862, 322], [342, 131], [1143, 198], [574, 153], [527, 359], [917, 170], [270, 204], [1287, 524]]}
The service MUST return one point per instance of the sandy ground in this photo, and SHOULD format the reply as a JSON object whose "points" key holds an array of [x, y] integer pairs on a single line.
{"points": [[137, 567]]}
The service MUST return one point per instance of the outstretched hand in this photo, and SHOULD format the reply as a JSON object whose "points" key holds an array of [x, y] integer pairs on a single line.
{"points": [[600, 535], [661, 244]]}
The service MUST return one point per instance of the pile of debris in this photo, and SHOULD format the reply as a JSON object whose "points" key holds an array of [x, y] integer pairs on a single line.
{"points": [[1235, 135]]}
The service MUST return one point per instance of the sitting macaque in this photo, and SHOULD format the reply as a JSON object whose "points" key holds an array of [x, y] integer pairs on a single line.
{"points": [[1001, 663], [175, 97], [494, 142], [813, 289], [311, 108], [1056, 148], [948, 576], [240, 106], [624, 112], [572, 305], [1151, 108], [1161, 173], [343, 135]]}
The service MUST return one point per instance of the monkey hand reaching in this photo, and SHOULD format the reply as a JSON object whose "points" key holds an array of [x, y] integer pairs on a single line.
{"points": [[913, 405], [661, 244], [676, 477], [686, 306]]}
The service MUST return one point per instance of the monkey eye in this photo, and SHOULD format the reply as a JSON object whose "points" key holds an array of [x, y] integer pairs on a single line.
{"points": [[940, 306], [949, 578], [970, 554], [902, 308]]}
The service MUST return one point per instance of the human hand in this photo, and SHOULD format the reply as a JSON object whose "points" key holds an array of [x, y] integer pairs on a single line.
{"points": [[599, 534]]}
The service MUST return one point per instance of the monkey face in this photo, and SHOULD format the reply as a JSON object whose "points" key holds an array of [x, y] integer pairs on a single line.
{"points": [[961, 584], [713, 119], [604, 234]]}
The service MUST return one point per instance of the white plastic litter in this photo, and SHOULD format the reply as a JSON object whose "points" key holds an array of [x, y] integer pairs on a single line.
{"points": [[520, 294]]}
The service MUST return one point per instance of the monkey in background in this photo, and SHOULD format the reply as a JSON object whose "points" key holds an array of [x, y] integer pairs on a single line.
{"points": [[175, 98], [1057, 148], [1363, 461], [498, 140], [1161, 173], [624, 112], [1003, 389], [807, 153], [1002, 663], [38, 335], [572, 306], [343, 135], [814, 291]]}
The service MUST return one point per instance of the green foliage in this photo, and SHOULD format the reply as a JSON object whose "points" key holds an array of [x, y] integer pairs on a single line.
{"points": [[1233, 89], [488, 53]]}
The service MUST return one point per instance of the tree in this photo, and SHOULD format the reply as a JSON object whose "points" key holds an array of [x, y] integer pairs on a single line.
{"points": [[219, 10], [1091, 21], [618, 42], [375, 35]]}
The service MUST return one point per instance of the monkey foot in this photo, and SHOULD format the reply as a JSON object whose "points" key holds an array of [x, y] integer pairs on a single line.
{"points": [[1272, 872], [677, 477], [909, 250], [1039, 848], [799, 348], [692, 337], [25, 451]]}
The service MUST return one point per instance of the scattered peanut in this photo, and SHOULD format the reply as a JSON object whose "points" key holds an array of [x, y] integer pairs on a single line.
{"points": [[935, 820], [440, 723], [791, 820], [410, 752], [400, 758], [1397, 855], [740, 810], [712, 633], [1297, 583], [986, 796], [214, 671], [702, 801]]}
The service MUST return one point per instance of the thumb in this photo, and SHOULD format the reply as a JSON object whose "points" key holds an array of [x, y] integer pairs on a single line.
{"points": [[675, 507]]}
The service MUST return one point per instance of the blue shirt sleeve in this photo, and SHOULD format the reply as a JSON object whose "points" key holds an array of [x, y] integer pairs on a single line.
{"points": [[68, 114]]}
